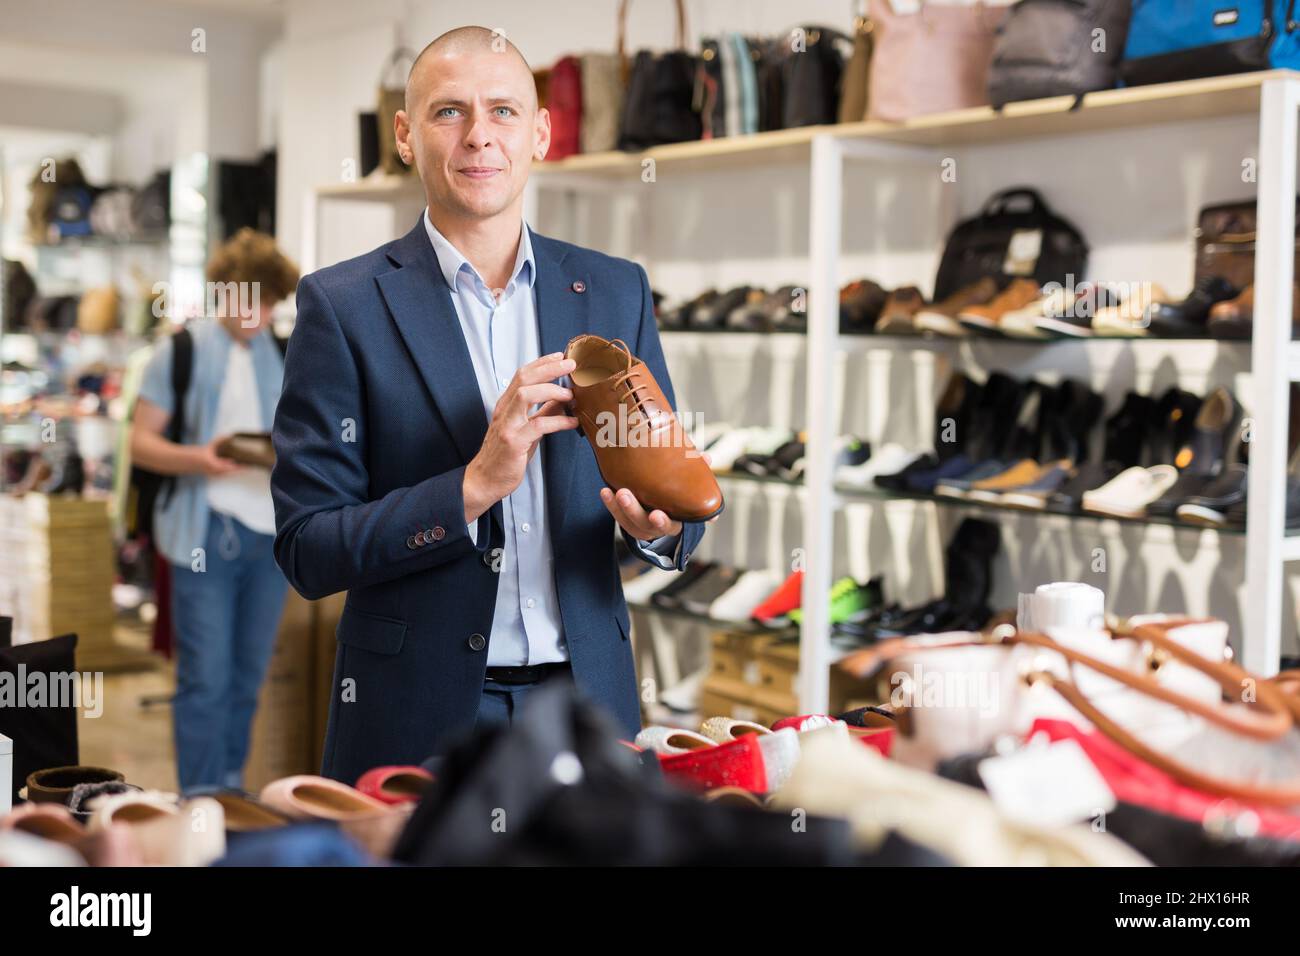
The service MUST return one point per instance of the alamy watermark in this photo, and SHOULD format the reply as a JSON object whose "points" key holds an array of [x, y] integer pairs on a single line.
{"points": [[60, 689]]}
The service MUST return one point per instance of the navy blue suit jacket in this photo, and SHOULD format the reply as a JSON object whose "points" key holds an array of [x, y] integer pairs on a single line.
{"points": [[379, 416]]}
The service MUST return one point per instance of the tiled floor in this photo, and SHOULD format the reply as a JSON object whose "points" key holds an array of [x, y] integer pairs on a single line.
{"points": [[134, 732]]}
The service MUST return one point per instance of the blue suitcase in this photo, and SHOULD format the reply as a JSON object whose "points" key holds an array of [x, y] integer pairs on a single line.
{"points": [[1183, 39]]}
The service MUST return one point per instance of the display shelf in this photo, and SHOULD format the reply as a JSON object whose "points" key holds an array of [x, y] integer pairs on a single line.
{"points": [[704, 619], [1105, 110], [852, 493], [1056, 116]]}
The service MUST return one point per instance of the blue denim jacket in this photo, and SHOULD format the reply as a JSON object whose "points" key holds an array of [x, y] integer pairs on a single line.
{"points": [[181, 523]]}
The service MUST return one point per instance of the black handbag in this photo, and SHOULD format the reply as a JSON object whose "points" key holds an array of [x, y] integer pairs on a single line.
{"points": [[1045, 48], [662, 105], [812, 77], [1015, 235], [151, 208]]}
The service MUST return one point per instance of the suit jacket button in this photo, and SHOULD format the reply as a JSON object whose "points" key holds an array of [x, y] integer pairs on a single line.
{"points": [[423, 537], [411, 543], [438, 533], [477, 642], [487, 557]]}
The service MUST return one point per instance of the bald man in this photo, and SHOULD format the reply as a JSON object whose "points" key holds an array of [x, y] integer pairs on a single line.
{"points": [[424, 460]]}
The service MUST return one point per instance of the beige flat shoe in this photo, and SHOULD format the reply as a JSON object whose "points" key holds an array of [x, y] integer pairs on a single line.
{"points": [[672, 740], [725, 729]]}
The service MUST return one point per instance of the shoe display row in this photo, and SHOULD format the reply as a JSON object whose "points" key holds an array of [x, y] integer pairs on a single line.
{"points": [[762, 452], [1027, 445], [1019, 309], [105, 821], [766, 597]]}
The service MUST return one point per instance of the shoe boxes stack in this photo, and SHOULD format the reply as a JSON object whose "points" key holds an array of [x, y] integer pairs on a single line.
{"points": [[755, 676], [289, 729], [57, 568]]}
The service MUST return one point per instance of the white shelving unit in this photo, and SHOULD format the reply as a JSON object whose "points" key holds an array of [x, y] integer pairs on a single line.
{"points": [[1273, 97]]}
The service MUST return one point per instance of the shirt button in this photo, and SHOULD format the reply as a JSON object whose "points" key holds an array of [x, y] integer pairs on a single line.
{"points": [[476, 642], [437, 534], [530, 602], [524, 527], [503, 382]]}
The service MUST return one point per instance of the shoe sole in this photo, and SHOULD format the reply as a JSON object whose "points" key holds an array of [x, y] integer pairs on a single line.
{"points": [[940, 324], [1024, 502], [1061, 327], [1198, 514], [1114, 512]]}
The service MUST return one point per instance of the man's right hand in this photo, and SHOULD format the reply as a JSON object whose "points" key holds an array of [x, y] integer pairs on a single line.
{"points": [[513, 433]]}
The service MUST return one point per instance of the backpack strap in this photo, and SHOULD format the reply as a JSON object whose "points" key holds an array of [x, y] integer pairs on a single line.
{"points": [[182, 373]]}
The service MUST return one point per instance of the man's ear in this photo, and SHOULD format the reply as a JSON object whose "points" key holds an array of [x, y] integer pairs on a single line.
{"points": [[542, 133], [402, 133]]}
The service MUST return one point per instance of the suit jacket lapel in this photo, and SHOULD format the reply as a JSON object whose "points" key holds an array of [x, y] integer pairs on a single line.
{"points": [[561, 314], [418, 297]]}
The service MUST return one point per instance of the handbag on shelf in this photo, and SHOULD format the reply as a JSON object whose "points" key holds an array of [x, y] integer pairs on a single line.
{"points": [[1225, 242], [602, 100], [855, 87], [1015, 235], [151, 209], [1018, 663], [1171, 40], [813, 77], [564, 99], [1058, 48], [931, 61], [661, 105], [391, 97]]}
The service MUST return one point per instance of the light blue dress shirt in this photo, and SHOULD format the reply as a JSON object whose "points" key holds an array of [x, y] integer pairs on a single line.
{"points": [[502, 336]]}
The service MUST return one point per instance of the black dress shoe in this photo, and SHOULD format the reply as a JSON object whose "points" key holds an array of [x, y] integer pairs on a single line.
{"points": [[712, 316], [1174, 425], [1214, 436], [707, 588], [1211, 507], [1186, 319], [860, 305], [669, 597]]}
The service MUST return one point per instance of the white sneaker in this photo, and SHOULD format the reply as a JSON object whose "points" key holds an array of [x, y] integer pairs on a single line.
{"points": [[640, 588], [887, 460], [1128, 493], [729, 447], [737, 603], [1128, 318]]}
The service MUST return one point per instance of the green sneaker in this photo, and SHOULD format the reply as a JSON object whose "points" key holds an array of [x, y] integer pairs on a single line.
{"points": [[848, 598]]}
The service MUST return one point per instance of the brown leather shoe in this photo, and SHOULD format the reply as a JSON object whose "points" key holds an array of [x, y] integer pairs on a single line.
{"points": [[1234, 318], [986, 317], [638, 441], [898, 317], [941, 317]]}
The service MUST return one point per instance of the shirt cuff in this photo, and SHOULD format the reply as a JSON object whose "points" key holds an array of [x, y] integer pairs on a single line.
{"points": [[661, 552]]}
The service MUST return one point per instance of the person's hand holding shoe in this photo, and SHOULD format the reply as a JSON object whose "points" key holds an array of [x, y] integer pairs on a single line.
{"points": [[514, 431]]}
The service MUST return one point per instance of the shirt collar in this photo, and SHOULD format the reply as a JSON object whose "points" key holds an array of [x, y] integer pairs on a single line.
{"points": [[453, 263]]}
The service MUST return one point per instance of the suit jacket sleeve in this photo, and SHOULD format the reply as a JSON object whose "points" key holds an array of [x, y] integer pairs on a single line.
{"points": [[649, 350], [329, 535]]}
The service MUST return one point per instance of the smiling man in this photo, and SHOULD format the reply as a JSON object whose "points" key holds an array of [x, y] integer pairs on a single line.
{"points": [[424, 459]]}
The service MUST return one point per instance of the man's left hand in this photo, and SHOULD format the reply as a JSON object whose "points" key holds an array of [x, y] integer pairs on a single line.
{"points": [[634, 519]]}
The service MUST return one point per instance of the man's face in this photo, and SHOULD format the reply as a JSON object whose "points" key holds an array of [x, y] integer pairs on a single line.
{"points": [[473, 130]]}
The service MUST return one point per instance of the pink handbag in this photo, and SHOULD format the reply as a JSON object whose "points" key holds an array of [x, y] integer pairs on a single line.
{"points": [[933, 60]]}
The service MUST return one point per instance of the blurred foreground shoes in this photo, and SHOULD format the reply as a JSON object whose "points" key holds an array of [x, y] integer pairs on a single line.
{"points": [[638, 442]]}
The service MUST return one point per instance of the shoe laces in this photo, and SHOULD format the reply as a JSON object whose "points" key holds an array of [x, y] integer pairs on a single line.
{"points": [[631, 379]]}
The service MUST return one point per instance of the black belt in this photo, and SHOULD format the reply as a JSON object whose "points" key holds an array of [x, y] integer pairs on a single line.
{"points": [[525, 674]]}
